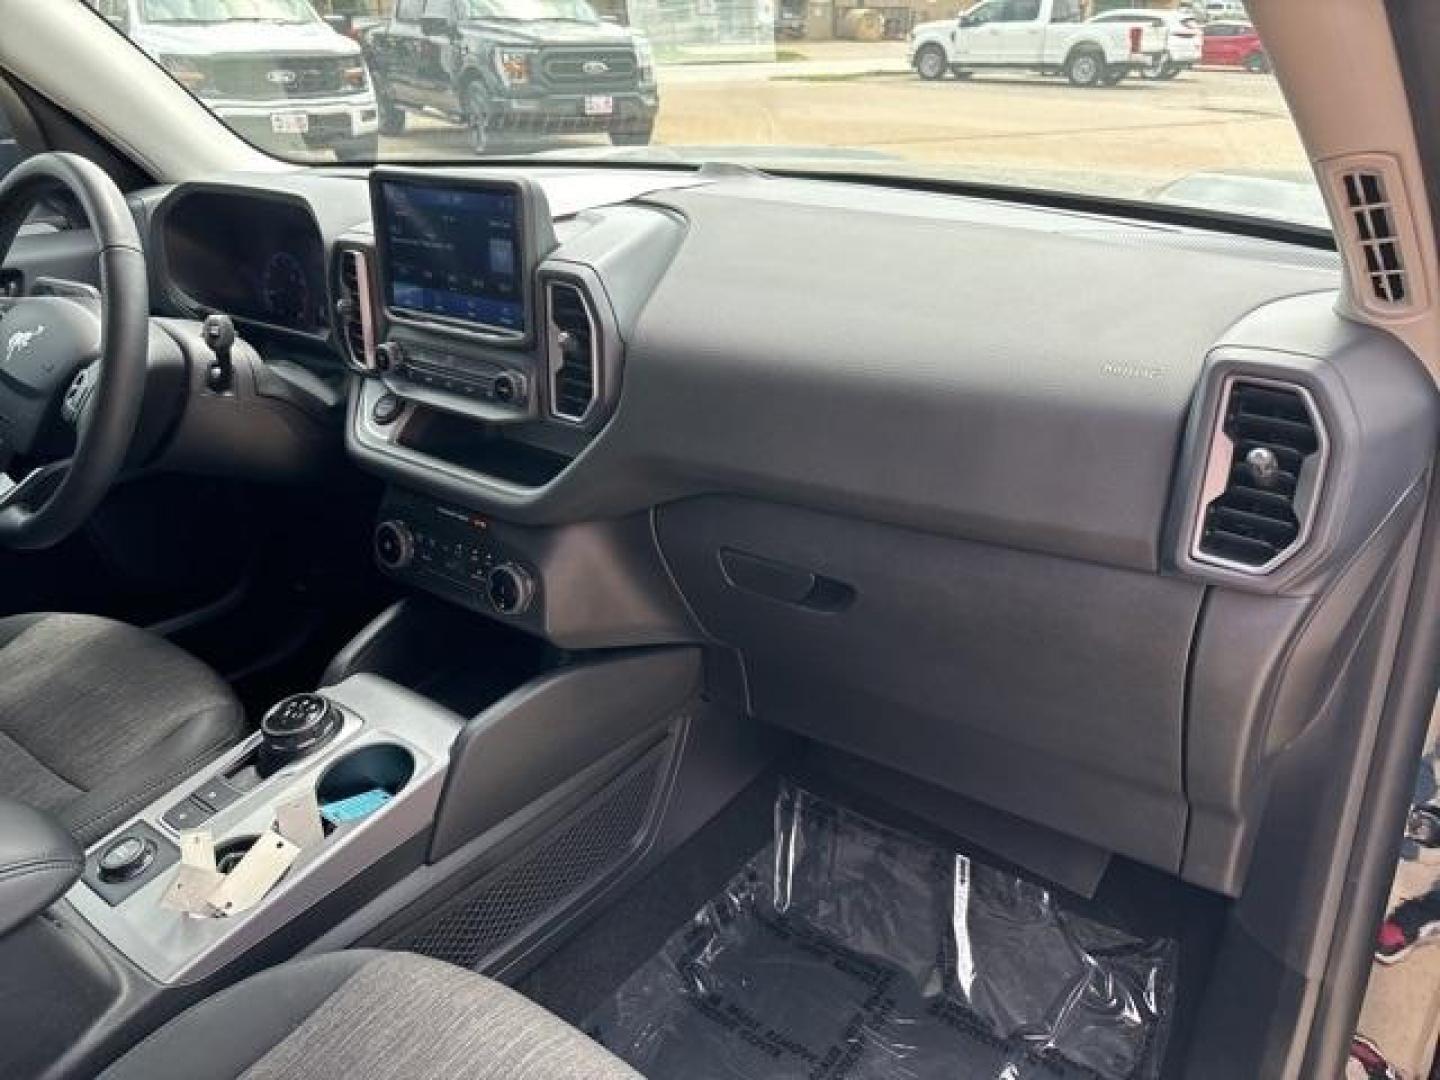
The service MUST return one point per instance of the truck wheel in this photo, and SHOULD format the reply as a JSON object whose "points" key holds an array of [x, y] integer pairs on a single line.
{"points": [[1257, 63], [366, 148], [930, 62], [1085, 67], [392, 119], [477, 116], [1157, 69], [1171, 71], [633, 134]]}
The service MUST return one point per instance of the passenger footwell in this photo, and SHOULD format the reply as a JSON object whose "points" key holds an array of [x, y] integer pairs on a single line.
{"points": [[848, 949]]}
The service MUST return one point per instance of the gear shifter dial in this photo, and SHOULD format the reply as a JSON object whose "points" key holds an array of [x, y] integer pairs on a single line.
{"points": [[295, 727]]}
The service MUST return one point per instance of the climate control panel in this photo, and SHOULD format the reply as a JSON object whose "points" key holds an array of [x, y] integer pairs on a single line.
{"points": [[416, 365], [455, 553]]}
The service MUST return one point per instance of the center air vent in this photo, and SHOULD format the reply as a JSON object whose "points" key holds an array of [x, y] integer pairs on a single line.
{"points": [[355, 308], [1266, 460], [574, 352]]}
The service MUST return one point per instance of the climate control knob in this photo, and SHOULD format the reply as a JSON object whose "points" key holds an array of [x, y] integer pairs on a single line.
{"points": [[510, 588], [394, 545]]}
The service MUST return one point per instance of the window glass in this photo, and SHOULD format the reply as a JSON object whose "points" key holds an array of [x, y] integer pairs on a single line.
{"points": [[1066, 11], [219, 12], [983, 13], [115, 12], [822, 86], [530, 10], [1020, 11]]}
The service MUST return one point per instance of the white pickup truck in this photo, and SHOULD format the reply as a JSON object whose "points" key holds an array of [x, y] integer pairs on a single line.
{"points": [[1048, 36], [271, 69]]}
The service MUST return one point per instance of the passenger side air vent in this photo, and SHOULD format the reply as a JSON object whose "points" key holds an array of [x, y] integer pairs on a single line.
{"points": [[1266, 460], [574, 352], [1373, 219], [355, 309]]}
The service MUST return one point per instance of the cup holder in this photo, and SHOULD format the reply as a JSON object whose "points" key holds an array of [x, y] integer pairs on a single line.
{"points": [[361, 782], [228, 853]]}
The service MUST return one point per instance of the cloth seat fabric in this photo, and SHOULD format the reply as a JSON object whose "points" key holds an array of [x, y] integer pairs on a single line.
{"points": [[98, 719], [368, 1015]]}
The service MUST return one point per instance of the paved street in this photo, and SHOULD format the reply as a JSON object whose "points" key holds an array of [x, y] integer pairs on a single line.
{"points": [[1127, 140]]}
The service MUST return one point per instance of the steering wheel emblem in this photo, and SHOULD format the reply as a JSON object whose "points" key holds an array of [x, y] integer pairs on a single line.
{"points": [[20, 341]]}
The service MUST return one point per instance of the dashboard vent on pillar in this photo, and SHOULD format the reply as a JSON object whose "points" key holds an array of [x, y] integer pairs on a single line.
{"points": [[574, 353], [1378, 234], [355, 308], [1267, 457]]}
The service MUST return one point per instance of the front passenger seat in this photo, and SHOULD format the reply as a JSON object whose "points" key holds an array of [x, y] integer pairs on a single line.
{"points": [[368, 1015], [99, 719]]}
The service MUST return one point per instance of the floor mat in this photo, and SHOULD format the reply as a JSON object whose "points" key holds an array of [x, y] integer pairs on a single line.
{"points": [[1400, 1020], [848, 949]]}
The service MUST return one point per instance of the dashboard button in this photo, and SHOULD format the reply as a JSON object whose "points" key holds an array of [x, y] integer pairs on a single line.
{"points": [[387, 409], [389, 355], [188, 813], [217, 794]]}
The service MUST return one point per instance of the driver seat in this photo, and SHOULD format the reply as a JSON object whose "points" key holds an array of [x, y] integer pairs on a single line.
{"points": [[99, 719]]}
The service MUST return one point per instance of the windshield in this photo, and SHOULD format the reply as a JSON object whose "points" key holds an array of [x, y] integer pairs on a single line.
{"points": [[1074, 96], [563, 10], [204, 12]]}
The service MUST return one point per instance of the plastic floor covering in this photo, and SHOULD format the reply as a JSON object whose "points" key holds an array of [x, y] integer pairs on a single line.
{"points": [[847, 950]]}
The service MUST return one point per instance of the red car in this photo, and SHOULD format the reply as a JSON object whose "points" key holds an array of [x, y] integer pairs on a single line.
{"points": [[1234, 44]]}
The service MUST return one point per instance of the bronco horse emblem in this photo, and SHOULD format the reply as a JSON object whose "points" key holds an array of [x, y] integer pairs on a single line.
{"points": [[20, 340]]}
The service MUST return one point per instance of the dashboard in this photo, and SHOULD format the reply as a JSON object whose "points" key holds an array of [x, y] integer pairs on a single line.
{"points": [[1104, 524], [974, 468]]}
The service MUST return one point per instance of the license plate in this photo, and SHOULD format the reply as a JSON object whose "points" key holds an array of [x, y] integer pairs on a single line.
{"points": [[289, 123], [599, 105]]}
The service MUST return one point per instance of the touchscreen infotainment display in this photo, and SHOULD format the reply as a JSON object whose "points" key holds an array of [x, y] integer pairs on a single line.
{"points": [[455, 253]]}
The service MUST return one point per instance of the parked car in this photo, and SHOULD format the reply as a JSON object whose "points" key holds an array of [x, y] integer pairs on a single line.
{"points": [[505, 67], [271, 69], [1226, 9], [1230, 43], [1182, 38], [1049, 36]]}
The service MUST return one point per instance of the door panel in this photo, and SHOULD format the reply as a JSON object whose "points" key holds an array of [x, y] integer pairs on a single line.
{"points": [[1017, 36]]}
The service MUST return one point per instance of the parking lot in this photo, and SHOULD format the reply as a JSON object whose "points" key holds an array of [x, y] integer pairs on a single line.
{"points": [[1127, 140]]}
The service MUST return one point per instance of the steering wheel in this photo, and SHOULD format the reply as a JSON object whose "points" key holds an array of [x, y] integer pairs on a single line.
{"points": [[72, 369]]}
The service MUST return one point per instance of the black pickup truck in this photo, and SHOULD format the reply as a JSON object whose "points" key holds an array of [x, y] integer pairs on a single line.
{"points": [[513, 69]]}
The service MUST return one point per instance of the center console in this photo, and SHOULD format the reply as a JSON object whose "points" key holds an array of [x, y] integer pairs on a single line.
{"points": [[486, 330], [487, 333], [371, 754]]}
